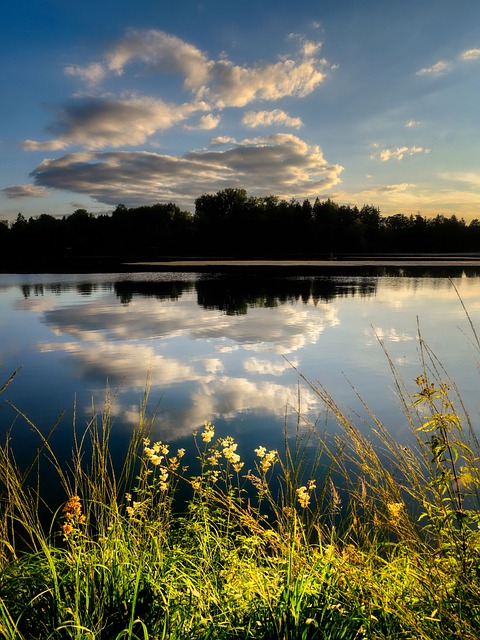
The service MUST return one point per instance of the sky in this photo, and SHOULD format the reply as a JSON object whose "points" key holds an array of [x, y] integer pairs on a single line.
{"points": [[364, 102]]}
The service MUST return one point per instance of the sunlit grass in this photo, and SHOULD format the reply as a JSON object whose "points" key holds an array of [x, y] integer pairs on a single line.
{"points": [[322, 539]]}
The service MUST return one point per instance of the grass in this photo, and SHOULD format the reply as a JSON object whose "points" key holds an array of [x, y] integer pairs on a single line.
{"points": [[350, 542]]}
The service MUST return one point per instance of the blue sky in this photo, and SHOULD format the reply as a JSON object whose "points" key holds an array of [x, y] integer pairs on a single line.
{"points": [[160, 101]]}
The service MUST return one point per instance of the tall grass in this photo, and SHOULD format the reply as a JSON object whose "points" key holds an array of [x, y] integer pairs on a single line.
{"points": [[351, 541]]}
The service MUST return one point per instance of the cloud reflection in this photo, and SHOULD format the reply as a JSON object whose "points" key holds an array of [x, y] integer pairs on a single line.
{"points": [[197, 357]]}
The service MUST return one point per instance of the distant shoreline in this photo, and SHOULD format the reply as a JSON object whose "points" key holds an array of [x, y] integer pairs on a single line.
{"points": [[125, 264], [370, 262]]}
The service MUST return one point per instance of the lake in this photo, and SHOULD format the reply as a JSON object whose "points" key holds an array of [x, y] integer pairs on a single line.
{"points": [[232, 347]]}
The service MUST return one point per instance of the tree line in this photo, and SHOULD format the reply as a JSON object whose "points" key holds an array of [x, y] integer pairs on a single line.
{"points": [[232, 223]]}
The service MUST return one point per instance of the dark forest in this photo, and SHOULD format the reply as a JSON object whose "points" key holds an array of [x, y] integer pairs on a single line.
{"points": [[231, 223]]}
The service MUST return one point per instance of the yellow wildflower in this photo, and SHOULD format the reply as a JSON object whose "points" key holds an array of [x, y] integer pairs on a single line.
{"points": [[268, 460], [303, 497], [394, 510], [209, 432], [174, 463]]}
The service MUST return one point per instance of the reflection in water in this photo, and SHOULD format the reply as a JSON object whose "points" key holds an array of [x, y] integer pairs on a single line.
{"points": [[226, 347], [168, 290], [234, 295]]}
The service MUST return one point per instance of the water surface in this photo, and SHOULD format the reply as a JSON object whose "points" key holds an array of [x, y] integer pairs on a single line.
{"points": [[231, 348]]}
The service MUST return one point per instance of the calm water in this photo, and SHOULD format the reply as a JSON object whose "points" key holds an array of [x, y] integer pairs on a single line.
{"points": [[224, 348]]}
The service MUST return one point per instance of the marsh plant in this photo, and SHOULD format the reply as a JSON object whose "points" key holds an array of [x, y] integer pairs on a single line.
{"points": [[348, 538]]}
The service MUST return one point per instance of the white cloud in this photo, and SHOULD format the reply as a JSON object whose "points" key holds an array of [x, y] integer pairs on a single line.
{"points": [[398, 153], [206, 123], [113, 120], [282, 164], [440, 67], [470, 54], [222, 140], [92, 74], [411, 124], [235, 86], [24, 191], [220, 81], [253, 119], [161, 51]]}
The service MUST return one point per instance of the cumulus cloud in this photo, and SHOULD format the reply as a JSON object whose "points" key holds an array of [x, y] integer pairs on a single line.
{"points": [[220, 81], [24, 191], [161, 51], [398, 153], [253, 119], [113, 120], [280, 163], [206, 123], [97, 122], [411, 124], [470, 54], [236, 86]]}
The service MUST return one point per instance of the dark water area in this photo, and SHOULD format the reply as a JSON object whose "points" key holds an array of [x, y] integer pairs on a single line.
{"points": [[235, 347]]}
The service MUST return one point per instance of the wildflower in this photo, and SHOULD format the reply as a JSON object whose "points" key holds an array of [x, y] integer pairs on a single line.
{"points": [[215, 475], [73, 507], [268, 459], [237, 466], [174, 463], [128, 497], [180, 453], [261, 451], [73, 515], [303, 497], [214, 457], [394, 510], [156, 459], [209, 432], [196, 485], [229, 453], [130, 512], [163, 484]]}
